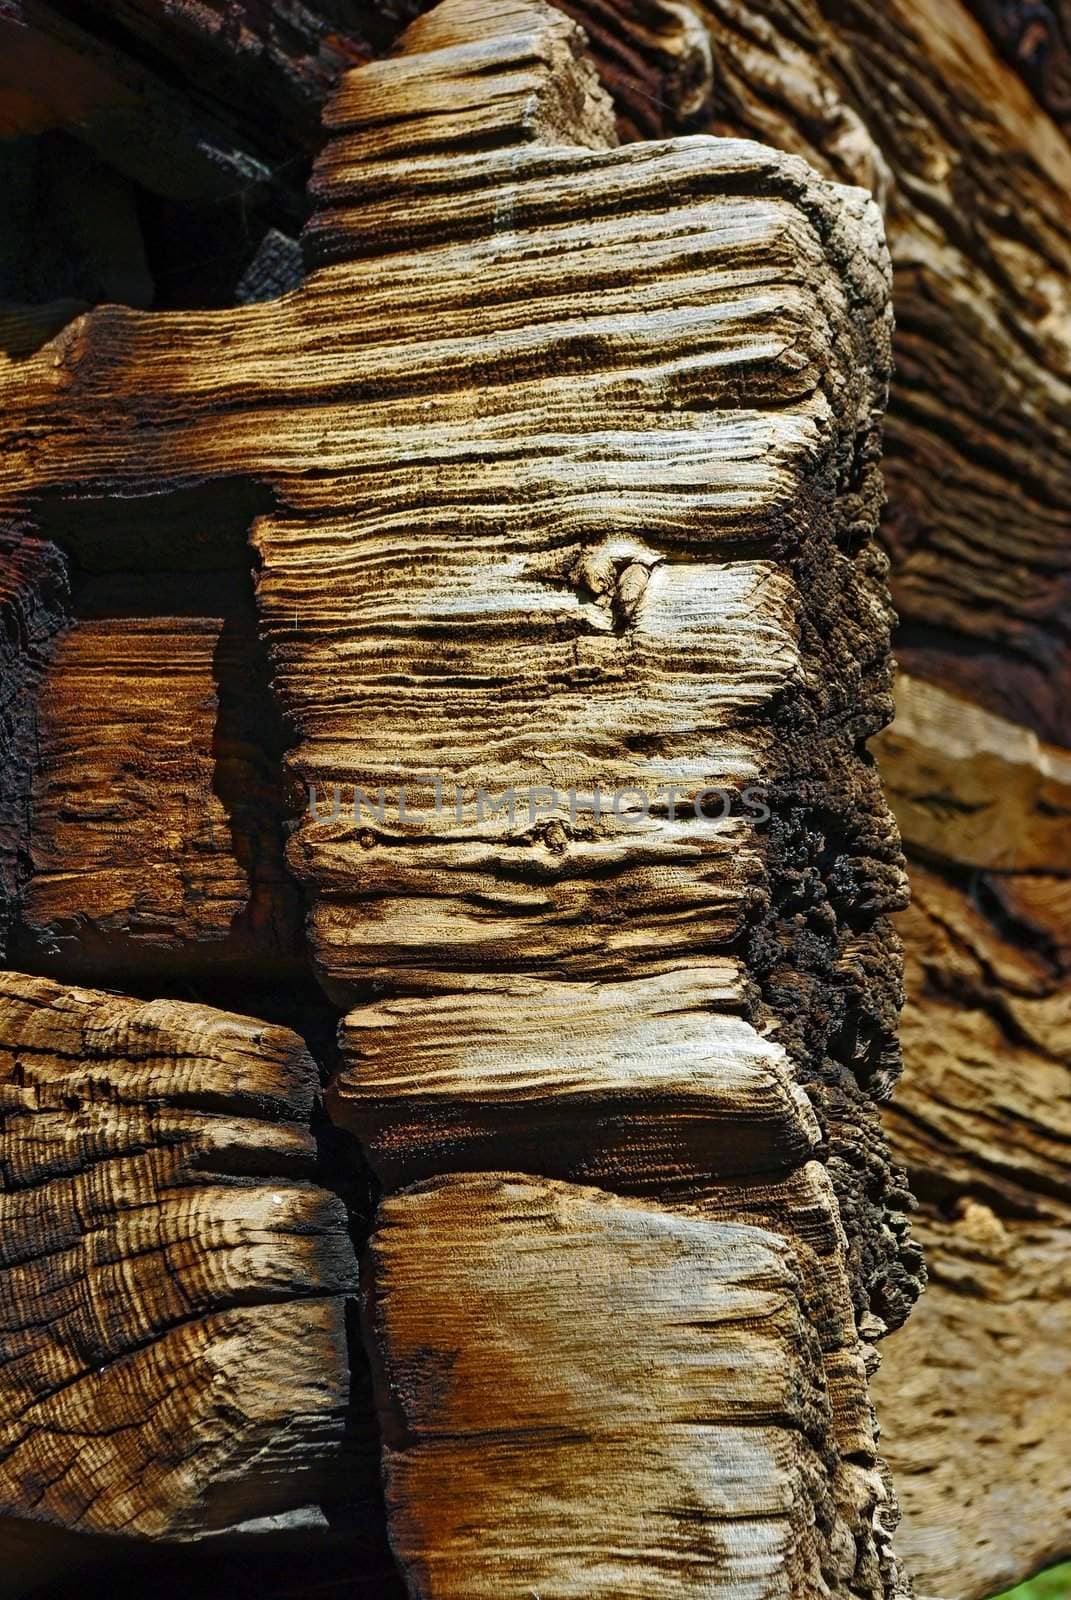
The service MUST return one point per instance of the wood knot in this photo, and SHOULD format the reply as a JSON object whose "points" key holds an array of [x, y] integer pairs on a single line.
{"points": [[616, 573]]}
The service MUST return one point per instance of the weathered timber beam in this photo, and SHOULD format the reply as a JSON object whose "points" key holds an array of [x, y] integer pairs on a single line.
{"points": [[157, 812], [973, 1390], [567, 997], [600, 1396], [175, 1286], [574, 457], [911, 99]]}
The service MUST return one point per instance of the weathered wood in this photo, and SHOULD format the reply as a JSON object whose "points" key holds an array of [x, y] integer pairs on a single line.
{"points": [[650, 1381], [157, 823], [914, 101], [911, 99], [174, 1284], [33, 605], [541, 641], [654, 58], [569, 712], [645, 1085], [557, 911], [574, 453], [973, 1398], [973, 1392], [972, 790]]}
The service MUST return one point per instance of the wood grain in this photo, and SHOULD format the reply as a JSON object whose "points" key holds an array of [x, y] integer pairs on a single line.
{"points": [[649, 1380], [933, 114], [912, 100], [563, 995], [157, 813], [174, 1282], [573, 456], [973, 1392]]}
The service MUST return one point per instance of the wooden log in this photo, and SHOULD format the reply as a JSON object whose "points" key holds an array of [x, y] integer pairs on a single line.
{"points": [[650, 1084], [158, 812], [976, 505], [912, 100], [650, 1381], [574, 456], [174, 1283], [504, 665], [972, 789], [969, 1392], [972, 1398], [654, 58]]}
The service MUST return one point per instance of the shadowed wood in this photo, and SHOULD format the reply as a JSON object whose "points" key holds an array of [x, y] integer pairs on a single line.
{"points": [[1036, 39], [156, 830], [33, 603]]}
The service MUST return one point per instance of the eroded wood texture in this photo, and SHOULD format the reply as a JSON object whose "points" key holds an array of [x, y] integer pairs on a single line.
{"points": [[654, 58], [538, 1335], [627, 577], [975, 1391], [174, 1283], [912, 99], [157, 811], [573, 450], [33, 606]]}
